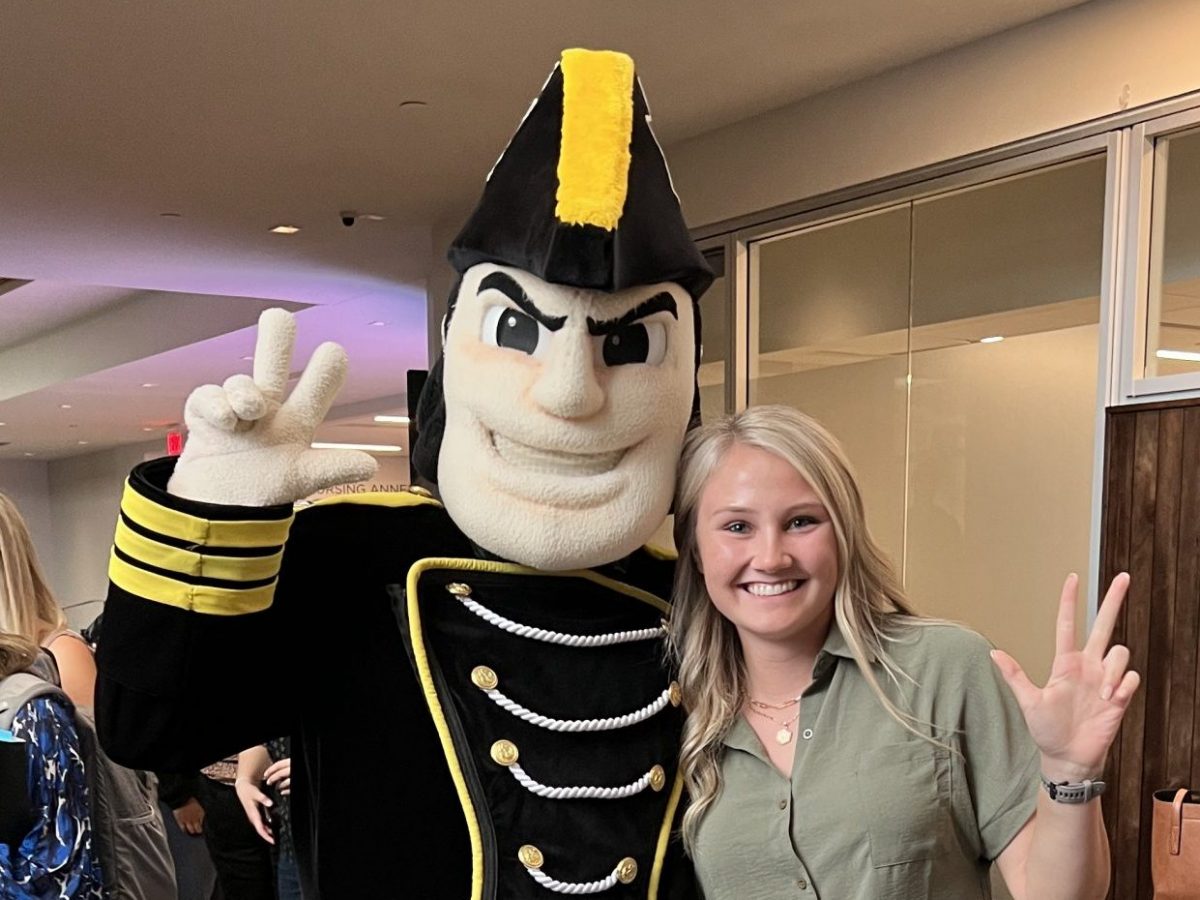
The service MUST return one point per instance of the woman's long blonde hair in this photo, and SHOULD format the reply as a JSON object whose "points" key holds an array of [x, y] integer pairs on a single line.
{"points": [[869, 602], [27, 607], [16, 653]]}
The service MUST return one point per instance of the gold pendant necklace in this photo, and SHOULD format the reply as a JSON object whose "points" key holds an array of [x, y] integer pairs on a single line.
{"points": [[784, 734]]}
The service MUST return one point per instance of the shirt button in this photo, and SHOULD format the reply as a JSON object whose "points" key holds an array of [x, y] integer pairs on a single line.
{"points": [[807, 735], [783, 804], [802, 884]]}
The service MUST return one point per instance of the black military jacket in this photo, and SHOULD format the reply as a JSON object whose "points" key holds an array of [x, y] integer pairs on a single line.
{"points": [[462, 728]]}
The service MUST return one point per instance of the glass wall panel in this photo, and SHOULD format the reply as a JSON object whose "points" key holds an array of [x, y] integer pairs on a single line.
{"points": [[714, 342], [829, 335], [1173, 344], [1005, 307]]}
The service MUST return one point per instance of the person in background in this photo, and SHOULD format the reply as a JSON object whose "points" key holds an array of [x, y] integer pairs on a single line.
{"points": [[28, 608], [55, 859], [271, 764], [839, 745], [206, 804]]}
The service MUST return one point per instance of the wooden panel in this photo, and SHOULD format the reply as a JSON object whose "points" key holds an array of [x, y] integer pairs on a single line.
{"points": [[1189, 591], [1137, 623], [1157, 671], [1181, 695], [1114, 556], [1151, 528]]}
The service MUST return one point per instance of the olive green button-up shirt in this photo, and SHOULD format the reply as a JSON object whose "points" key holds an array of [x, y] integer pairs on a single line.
{"points": [[871, 810]]}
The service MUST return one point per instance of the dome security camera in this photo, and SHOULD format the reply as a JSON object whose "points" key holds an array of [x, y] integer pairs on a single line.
{"points": [[349, 217]]}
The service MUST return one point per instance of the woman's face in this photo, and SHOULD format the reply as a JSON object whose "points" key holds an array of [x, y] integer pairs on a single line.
{"points": [[767, 548]]}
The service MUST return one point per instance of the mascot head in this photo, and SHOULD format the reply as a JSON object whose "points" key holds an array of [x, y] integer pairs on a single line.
{"points": [[553, 421]]}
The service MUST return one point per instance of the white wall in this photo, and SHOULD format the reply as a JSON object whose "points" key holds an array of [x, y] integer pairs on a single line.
{"points": [[27, 484], [1054, 73], [85, 497]]}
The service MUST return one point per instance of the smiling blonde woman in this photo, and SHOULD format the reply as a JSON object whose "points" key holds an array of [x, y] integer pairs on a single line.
{"points": [[839, 745]]}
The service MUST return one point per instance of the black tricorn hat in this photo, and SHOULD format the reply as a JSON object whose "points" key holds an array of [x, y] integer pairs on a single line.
{"points": [[581, 197]]}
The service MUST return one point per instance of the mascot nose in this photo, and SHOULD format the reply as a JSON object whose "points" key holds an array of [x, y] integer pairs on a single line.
{"points": [[567, 386]]}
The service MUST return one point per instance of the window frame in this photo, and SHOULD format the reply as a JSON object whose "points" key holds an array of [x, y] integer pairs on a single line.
{"points": [[1144, 193]]}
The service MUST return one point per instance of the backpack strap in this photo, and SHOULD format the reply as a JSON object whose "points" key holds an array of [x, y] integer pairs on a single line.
{"points": [[18, 689]]}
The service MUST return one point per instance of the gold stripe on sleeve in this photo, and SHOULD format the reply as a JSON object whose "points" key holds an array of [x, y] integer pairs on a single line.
{"points": [[188, 562], [191, 597], [597, 128], [214, 532]]}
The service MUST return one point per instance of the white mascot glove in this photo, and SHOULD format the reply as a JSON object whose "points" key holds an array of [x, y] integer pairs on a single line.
{"points": [[247, 446]]}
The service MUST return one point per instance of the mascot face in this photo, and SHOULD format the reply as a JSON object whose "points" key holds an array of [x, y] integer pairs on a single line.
{"points": [[565, 413]]}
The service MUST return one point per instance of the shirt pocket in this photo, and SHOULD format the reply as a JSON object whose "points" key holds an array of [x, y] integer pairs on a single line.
{"points": [[904, 793]]}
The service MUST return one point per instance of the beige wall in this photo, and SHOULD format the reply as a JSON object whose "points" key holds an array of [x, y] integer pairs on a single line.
{"points": [[1051, 74], [85, 496], [27, 484]]}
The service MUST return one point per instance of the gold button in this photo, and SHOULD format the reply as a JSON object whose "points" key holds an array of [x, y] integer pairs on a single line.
{"points": [[802, 884], [657, 778], [458, 589], [676, 693], [783, 804], [504, 752], [627, 870], [418, 490], [530, 856], [484, 678]]}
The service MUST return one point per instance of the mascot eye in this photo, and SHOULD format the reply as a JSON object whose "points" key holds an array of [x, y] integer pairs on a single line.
{"points": [[637, 342], [515, 330]]}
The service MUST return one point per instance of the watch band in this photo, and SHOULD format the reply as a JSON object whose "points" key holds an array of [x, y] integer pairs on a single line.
{"points": [[1073, 792]]}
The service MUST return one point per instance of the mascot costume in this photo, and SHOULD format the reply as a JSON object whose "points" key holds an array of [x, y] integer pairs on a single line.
{"points": [[476, 691]]}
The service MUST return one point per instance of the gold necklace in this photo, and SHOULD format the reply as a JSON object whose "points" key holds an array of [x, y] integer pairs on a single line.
{"points": [[784, 734], [763, 704]]}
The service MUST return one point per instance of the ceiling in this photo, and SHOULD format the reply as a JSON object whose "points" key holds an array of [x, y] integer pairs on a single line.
{"points": [[147, 148]]}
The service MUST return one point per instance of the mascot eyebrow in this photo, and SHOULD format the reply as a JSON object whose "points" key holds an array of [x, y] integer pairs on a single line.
{"points": [[498, 281], [662, 302]]}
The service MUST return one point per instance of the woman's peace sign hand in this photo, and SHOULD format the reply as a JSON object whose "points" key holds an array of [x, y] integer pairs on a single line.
{"points": [[1074, 718], [248, 445]]}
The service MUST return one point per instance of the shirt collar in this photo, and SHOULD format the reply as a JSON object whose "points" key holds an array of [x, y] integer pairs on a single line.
{"points": [[742, 737]]}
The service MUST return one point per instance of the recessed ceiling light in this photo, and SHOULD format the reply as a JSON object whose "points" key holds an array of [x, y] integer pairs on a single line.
{"points": [[373, 217], [82, 442], [248, 359], [285, 229], [149, 384], [2, 424], [1184, 355], [994, 339], [371, 448], [147, 429], [64, 406], [377, 324], [27, 453], [392, 420]]}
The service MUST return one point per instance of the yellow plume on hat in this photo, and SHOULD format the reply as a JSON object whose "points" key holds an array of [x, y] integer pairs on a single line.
{"points": [[597, 126]]}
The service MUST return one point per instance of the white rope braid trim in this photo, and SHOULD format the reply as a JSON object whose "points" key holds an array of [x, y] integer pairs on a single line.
{"points": [[579, 793], [566, 887], [574, 725], [555, 637]]}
